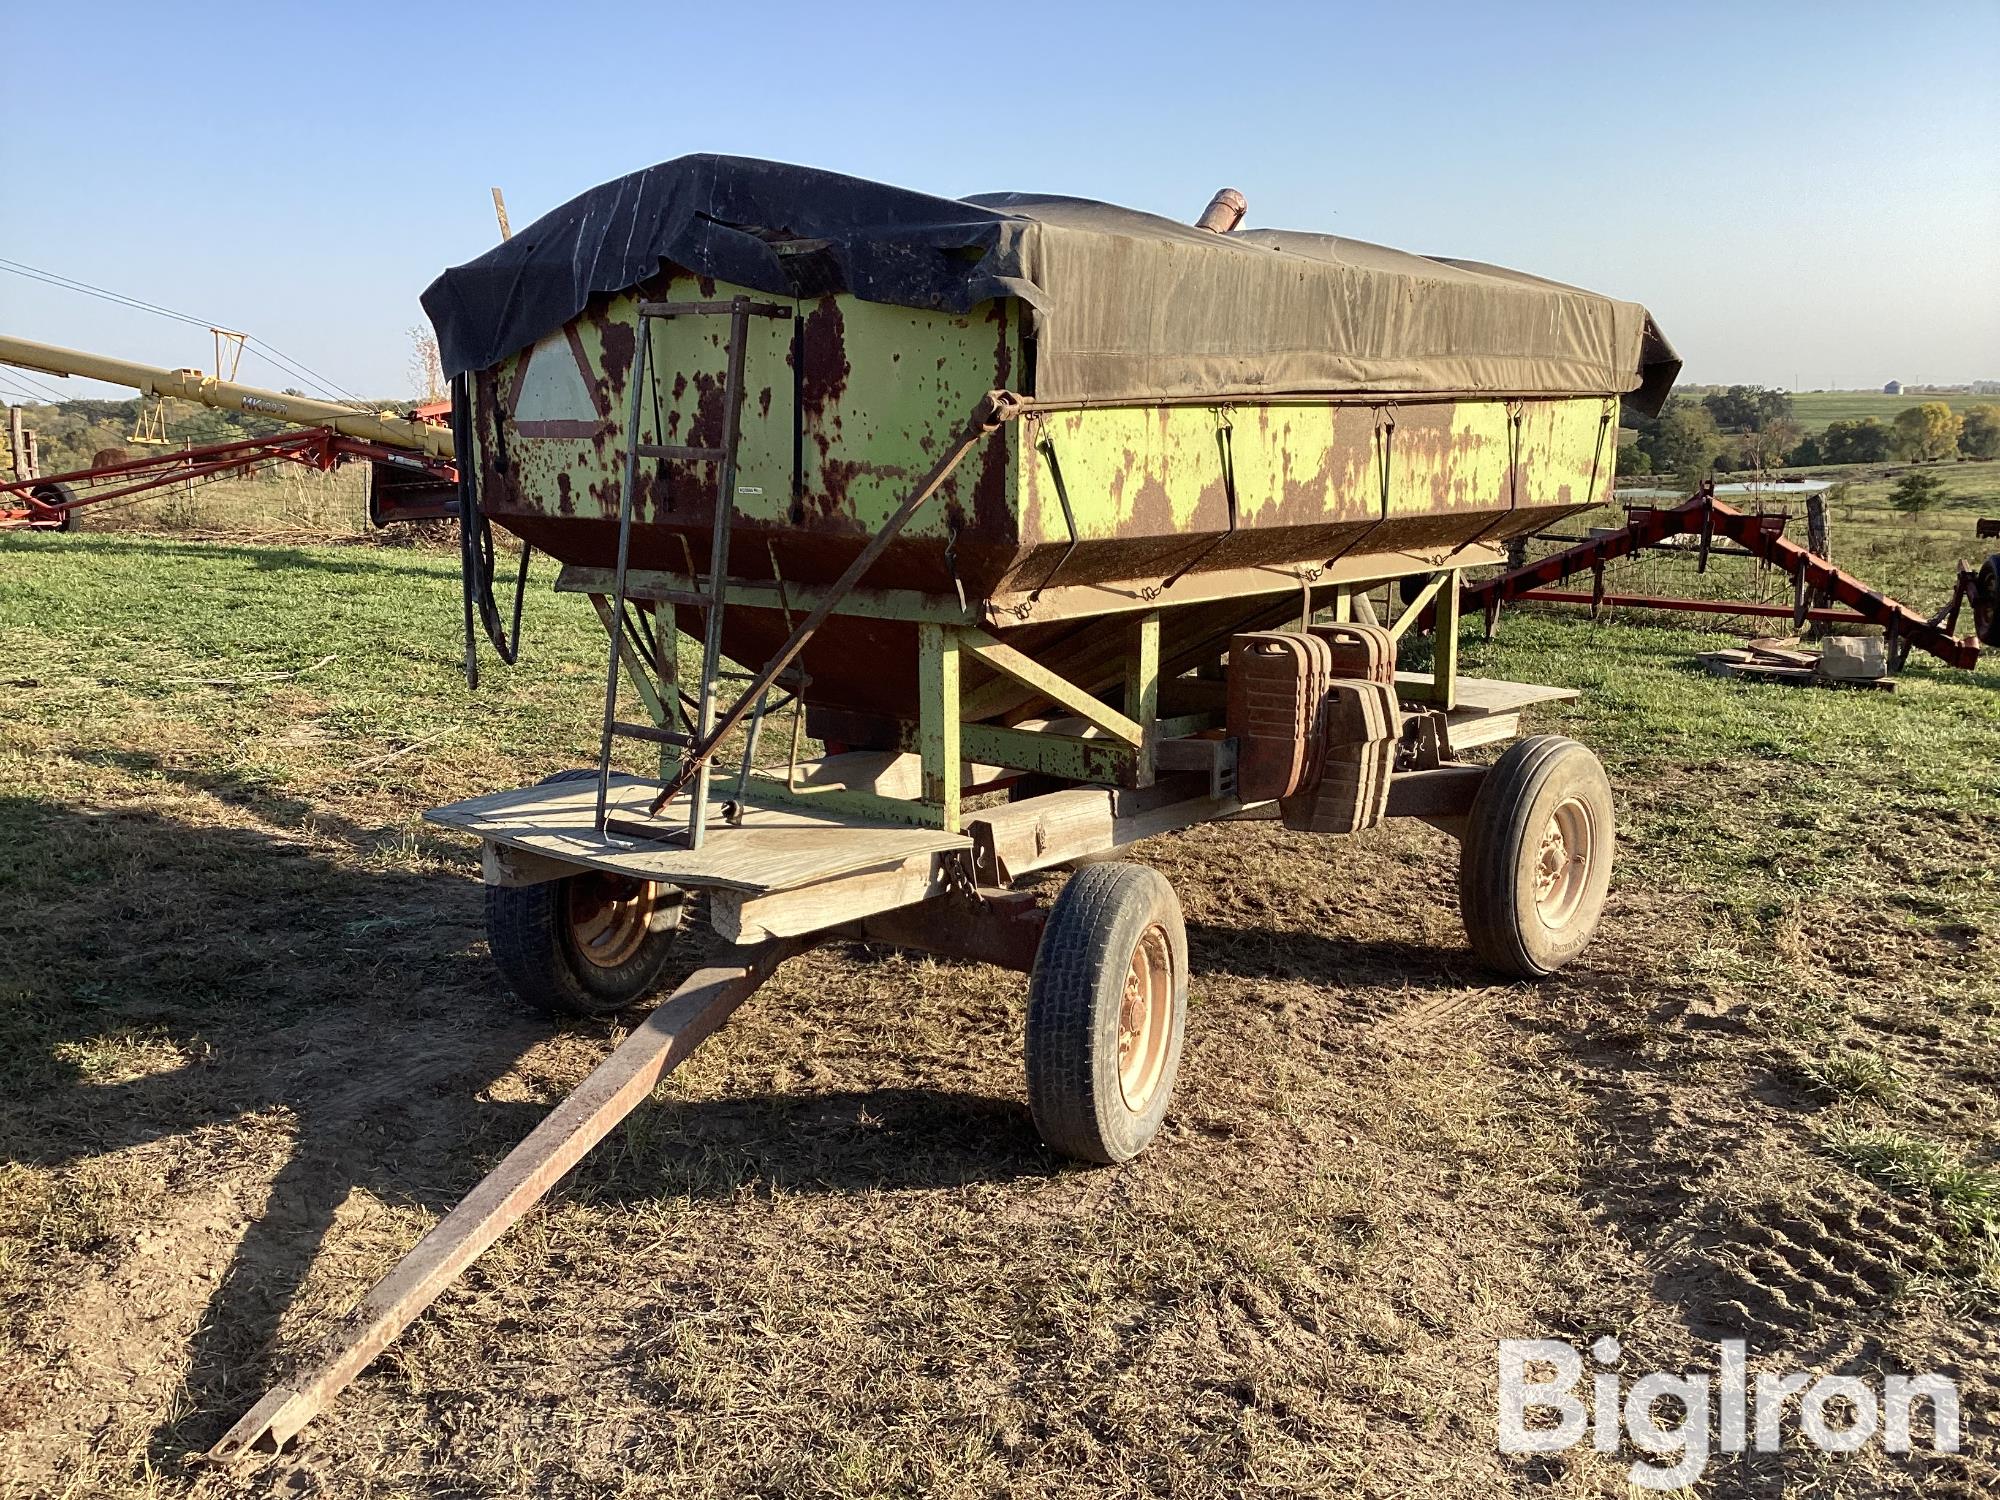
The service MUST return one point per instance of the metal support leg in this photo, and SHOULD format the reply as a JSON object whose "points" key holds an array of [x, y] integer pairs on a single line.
{"points": [[667, 669], [938, 721], [1142, 689], [1444, 645]]}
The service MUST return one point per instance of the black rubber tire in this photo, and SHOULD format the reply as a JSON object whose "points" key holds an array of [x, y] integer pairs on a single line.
{"points": [[1074, 1002], [58, 494], [1500, 855], [528, 929]]}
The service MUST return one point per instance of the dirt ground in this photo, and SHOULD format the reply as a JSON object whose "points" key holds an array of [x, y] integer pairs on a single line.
{"points": [[253, 1048]]}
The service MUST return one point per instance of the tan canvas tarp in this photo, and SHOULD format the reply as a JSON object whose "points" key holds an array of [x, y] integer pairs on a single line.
{"points": [[1127, 306], [1136, 305]]}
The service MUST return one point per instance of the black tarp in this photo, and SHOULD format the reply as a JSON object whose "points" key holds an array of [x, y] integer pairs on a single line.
{"points": [[1127, 306]]}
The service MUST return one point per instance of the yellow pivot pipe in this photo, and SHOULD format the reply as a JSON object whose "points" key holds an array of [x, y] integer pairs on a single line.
{"points": [[192, 385]]}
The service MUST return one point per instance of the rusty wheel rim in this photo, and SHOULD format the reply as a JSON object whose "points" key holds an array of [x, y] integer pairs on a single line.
{"points": [[1145, 1019], [609, 917], [1562, 864]]}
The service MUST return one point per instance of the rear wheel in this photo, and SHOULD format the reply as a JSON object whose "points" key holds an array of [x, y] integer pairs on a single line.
{"points": [[1536, 858], [1107, 1011], [589, 944]]}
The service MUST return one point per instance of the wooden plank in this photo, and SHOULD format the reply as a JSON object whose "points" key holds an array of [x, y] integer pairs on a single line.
{"points": [[1011, 841], [1473, 696], [774, 849], [617, 1086], [500, 864], [1483, 729], [1054, 829], [742, 918], [1740, 664]]}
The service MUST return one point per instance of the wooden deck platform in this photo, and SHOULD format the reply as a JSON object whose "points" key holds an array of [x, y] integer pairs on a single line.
{"points": [[775, 849]]}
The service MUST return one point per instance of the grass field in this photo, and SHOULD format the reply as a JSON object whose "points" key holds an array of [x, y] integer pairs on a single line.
{"points": [[1815, 409], [251, 1047]]}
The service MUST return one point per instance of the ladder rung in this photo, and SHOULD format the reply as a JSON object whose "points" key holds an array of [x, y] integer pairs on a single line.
{"points": [[700, 309], [681, 455], [650, 732]]}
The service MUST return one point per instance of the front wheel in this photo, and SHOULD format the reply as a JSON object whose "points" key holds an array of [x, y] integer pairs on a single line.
{"points": [[1535, 862], [1107, 1010], [589, 944]]}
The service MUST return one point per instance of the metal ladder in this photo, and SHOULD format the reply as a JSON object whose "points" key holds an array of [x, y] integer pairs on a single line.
{"points": [[739, 310]]}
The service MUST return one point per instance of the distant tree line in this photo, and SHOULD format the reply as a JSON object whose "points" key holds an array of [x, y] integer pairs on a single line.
{"points": [[1750, 427]]}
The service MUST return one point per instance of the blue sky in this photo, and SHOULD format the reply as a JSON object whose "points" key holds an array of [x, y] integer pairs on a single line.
{"points": [[1804, 194]]}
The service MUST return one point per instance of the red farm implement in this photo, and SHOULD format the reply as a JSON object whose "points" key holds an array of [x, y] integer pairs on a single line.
{"points": [[50, 502], [1821, 593]]}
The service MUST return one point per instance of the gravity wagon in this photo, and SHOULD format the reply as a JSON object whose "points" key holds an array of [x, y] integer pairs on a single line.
{"points": [[942, 542]]}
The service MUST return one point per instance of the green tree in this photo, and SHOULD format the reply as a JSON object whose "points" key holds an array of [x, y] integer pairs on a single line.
{"points": [[1928, 431], [1686, 443], [1864, 441], [1747, 408], [1980, 435], [1632, 459], [1772, 406], [1771, 445], [1916, 491]]}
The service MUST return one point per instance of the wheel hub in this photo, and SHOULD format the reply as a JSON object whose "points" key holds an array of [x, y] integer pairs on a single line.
{"points": [[1562, 862], [1145, 1019], [609, 917]]}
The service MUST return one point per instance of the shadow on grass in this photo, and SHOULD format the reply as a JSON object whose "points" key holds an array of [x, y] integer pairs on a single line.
{"points": [[263, 800], [354, 557]]}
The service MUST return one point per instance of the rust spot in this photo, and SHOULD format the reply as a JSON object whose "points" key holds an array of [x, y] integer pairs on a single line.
{"points": [[620, 344], [565, 501], [1152, 509], [706, 429], [992, 514], [823, 367], [657, 492], [707, 285], [763, 403], [680, 384]]}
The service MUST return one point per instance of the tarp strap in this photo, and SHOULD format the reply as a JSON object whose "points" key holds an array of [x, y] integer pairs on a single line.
{"points": [[1046, 446], [1385, 437]]}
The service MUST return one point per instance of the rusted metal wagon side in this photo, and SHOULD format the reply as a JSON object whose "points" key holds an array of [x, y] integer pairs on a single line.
{"points": [[1039, 586]]}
